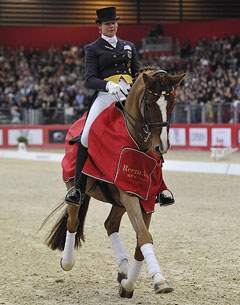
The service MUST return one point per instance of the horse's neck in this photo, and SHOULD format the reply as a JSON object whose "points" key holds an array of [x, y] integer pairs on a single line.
{"points": [[134, 99], [135, 123]]}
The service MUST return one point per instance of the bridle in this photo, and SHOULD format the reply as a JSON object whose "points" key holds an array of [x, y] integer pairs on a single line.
{"points": [[154, 125], [148, 126]]}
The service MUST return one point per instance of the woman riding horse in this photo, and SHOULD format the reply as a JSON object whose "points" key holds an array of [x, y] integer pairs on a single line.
{"points": [[146, 118], [111, 64]]}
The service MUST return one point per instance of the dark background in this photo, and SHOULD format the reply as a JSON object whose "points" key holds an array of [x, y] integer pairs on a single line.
{"points": [[68, 12]]}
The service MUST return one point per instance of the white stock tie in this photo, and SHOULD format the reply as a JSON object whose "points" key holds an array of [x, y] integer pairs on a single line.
{"points": [[112, 41]]}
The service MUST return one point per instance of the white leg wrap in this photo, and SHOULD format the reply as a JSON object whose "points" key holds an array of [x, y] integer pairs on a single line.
{"points": [[124, 266], [133, 274], [149, 255], [158, 278], [118, 248], [68, 252], [134, 270]]}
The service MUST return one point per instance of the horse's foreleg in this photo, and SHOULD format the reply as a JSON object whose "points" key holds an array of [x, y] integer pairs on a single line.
{"points": [[161, 285], [112, 225], [145, 242], [135, 266], [127, 285]]}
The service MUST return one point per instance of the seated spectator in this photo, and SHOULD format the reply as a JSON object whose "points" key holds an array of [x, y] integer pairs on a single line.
{"points": [[49, 80], [79, 99]]}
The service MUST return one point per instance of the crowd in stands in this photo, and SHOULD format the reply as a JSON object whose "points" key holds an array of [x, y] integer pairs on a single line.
{"points": [[49, 79], [212, 68], [54, 79]]}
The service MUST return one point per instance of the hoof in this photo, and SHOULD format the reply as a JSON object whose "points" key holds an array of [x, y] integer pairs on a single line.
{"points": [[163, 287], [121, 276], [125, 294], [66, 266]]}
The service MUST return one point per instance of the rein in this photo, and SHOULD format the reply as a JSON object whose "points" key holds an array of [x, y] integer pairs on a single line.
{"points": [[148, 125], [141, 127]]}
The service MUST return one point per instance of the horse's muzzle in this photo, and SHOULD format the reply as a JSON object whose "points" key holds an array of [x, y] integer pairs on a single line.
{"points": [[158, 150]]}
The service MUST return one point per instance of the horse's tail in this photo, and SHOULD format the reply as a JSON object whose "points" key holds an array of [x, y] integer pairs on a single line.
{"points": [[55, 239]]}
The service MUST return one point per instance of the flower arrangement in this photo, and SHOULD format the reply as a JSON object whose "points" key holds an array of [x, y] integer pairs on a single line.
{"points": [[22, 139]]}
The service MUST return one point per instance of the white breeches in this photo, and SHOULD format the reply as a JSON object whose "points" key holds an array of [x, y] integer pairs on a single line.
{"points": [[103, 101]]}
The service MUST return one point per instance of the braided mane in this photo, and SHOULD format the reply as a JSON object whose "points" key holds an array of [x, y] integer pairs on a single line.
{"points": [[144, 69]]}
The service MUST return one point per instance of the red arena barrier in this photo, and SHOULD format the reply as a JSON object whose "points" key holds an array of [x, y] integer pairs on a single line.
{"points": [[182, 136]]}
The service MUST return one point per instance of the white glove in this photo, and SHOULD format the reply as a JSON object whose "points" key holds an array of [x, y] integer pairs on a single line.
{"points": [[113, 88]]}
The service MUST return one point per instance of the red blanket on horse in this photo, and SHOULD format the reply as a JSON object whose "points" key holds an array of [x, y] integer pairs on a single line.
{"points": [[115, 157]]}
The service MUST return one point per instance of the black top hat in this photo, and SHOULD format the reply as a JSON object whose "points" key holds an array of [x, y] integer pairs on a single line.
{"points": [[106, 14]]}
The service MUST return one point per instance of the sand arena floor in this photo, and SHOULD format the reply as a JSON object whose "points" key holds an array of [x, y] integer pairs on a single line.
{"points": [[197, 241]]}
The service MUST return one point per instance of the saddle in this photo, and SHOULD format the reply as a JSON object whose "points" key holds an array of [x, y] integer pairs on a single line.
{"points": [[115, 157]]}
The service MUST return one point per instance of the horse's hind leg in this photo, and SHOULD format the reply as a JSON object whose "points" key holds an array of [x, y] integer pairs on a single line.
{"points": [[112, 225], [67, 261]]}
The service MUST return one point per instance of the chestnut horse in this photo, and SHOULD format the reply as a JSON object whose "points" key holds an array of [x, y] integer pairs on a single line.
{"points": [[147, 113]]}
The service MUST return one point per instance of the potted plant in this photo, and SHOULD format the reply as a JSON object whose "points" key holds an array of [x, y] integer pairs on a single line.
{"points": [[22, 143]]}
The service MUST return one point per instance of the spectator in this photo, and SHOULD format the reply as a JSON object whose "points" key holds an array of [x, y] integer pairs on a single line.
{"points": [[16, 115], [46, 79]]}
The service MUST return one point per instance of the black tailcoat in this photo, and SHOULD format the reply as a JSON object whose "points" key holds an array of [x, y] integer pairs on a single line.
{"points": [[102, 60]]}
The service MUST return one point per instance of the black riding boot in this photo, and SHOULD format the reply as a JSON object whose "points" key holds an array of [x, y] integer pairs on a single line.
{"points": [[165, 200], [162, 198], [75, 195]]}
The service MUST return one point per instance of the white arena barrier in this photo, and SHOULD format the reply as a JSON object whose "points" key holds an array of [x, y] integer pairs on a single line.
{"points": [[171, 165]]}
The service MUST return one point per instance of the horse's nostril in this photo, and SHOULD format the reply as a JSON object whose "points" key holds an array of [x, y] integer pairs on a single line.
{"points": [[157, 149]]}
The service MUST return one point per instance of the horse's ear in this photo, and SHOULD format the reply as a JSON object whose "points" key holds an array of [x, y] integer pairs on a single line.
{"points": [[147, 80], [176, 79]]}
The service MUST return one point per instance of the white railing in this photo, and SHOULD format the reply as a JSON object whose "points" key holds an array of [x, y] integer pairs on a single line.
{"points": [[182, 113]]}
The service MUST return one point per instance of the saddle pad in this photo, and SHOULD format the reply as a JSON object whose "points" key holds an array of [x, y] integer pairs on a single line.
{"points": [[134, 172], [69, 159], [114, 157]]}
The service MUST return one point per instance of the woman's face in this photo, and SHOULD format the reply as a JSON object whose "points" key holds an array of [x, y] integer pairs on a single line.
{"points": [[108, 28]]}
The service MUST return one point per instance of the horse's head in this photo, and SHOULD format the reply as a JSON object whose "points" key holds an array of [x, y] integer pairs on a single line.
{"points": [[157, 105], [149, 106]]}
